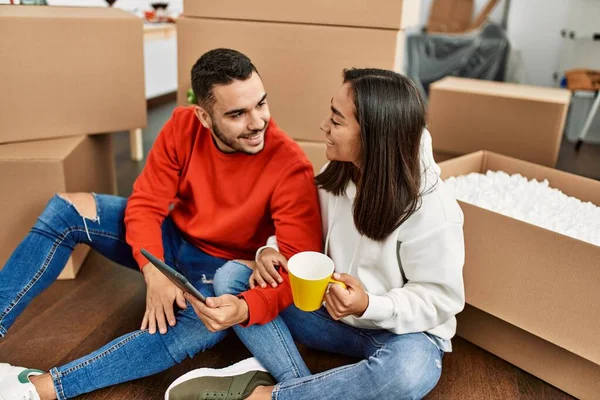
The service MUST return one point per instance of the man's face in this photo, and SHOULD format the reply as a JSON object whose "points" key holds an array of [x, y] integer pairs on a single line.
{"points": [[239, 116]]}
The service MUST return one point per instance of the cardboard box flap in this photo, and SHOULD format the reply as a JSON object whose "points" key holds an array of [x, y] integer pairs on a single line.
{"points": [[504, 89], [59, 12], [464, 165], [545, 283], [56, 149]]}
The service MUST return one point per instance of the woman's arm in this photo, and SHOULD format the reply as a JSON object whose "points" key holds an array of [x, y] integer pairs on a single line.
{"points": [[434, 291]]}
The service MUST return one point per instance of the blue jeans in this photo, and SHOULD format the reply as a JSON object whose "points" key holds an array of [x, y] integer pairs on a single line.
{"points": [[40, 258], [393, 366]]}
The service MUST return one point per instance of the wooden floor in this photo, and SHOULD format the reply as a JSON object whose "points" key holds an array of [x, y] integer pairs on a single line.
{"points": [[74, 318]]}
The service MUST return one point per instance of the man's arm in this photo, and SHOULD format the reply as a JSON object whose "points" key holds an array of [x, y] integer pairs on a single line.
{"points": [[295, 210], [297, 217], [153, 192]]}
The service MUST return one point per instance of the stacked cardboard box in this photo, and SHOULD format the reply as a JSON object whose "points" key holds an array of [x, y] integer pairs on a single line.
{"points": [[300, 49], [532, 294], [467, 115], [32, 172], [67, 72]]}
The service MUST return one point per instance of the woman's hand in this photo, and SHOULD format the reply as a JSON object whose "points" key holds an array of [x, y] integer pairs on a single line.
{"points": [[265, 271], [341, 302]]}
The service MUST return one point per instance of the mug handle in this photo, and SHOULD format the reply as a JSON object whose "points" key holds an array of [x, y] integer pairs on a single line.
{"points": [[342, 284]]}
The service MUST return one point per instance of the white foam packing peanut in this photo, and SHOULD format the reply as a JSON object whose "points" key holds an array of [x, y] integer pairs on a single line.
{"points": [[530, 201]]}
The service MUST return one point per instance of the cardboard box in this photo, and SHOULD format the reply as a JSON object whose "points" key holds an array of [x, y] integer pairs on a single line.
{"points": [[69, 71], [389, 14], [301, 65], [316, 154], [533, 293], [526, 122], [549, 362], [440, 156], [32, 172], [450, 16]]}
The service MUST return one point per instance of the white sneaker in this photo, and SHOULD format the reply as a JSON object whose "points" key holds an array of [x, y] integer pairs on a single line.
{"points": [[15, 383], [252, 370]]}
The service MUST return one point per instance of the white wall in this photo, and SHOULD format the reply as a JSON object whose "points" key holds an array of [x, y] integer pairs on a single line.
{"points": [[534, 29], [583, 20], [160, 65]]}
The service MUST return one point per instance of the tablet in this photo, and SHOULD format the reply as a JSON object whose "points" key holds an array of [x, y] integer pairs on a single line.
{"points": [[175, 277]]}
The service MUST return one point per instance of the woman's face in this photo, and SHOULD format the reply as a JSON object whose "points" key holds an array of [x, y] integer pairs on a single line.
{"points": [[341, 128]]}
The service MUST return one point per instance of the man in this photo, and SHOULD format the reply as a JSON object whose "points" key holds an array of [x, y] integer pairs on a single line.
{"points": [[219, 180]]}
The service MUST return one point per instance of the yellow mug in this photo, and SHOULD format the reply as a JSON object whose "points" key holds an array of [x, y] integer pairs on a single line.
{"points": [[310, 274]]}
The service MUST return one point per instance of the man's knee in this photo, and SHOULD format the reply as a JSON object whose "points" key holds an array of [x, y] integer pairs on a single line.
{"points": [[189, 336], [84, 203], [231, 278]]}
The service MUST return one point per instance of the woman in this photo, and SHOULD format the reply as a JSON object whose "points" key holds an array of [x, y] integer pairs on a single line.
{"points": [[394, 232]]}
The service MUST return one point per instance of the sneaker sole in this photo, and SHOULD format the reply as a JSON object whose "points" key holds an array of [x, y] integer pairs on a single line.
{"points": [[249, 364]]}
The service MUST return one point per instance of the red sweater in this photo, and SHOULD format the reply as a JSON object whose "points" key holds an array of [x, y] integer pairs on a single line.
{"points": [[264, 305], [225, 204]]}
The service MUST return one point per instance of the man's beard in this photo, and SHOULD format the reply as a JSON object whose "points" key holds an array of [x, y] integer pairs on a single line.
{"points": [[232, 143]]}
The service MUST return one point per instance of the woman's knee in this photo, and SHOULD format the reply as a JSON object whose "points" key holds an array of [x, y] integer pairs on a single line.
{"points": [[416, 380], [413, 371], [232, 278]]}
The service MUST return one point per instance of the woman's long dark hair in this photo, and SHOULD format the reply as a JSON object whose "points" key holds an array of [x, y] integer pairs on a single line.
{"points": [[391, 116]]}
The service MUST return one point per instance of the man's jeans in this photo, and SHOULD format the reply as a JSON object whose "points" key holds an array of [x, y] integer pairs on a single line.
{"points": [[40, 258], [393, 366]]}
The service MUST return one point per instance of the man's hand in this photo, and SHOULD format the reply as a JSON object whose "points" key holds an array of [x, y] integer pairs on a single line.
{"points": [[221, 312], [342, 302], [265, 271], [160, 295]]}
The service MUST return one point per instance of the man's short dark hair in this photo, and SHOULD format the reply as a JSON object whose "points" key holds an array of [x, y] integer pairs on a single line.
{"points": [[218, 67]]}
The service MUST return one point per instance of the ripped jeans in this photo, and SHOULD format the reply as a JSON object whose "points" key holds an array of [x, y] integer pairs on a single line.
{"points": [[39, 259]]}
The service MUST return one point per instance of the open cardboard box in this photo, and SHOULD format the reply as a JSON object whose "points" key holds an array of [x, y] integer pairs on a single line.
{"points": [[532, 294]]}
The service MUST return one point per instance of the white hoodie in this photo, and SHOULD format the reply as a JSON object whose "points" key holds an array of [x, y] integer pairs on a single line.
{"points": [[413, 277]]}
